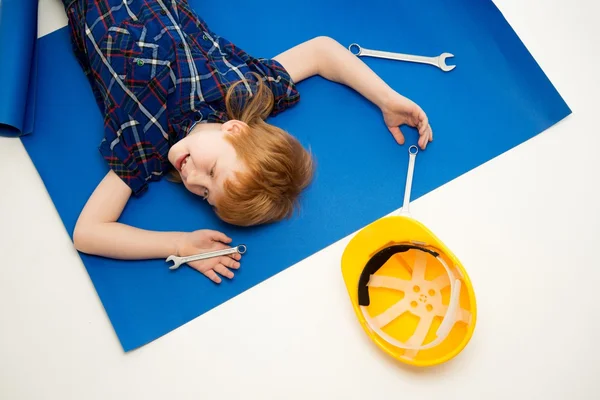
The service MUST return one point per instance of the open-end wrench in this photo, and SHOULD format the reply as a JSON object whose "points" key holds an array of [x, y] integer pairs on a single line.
{"points": [[203, 256], [439, 61]]}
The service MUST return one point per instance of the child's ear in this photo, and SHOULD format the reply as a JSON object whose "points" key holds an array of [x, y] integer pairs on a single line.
{"points": [[234, 126]]}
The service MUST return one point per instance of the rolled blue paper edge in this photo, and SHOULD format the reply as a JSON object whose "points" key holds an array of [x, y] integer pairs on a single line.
{"points": [[18, 69]]}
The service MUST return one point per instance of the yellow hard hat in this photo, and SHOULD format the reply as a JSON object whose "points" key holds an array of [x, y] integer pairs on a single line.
{"points": [[410, 293]]}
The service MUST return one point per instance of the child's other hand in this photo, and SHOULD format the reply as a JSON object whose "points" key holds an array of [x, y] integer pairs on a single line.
{"points": [[205, 240], [399, 110]]}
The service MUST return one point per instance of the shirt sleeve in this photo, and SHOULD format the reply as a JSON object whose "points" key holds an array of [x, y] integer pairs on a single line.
{"points": [[132, 153], [279, 80]]}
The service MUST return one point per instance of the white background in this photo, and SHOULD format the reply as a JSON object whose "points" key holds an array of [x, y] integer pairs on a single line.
{"points": [[526, 225]]}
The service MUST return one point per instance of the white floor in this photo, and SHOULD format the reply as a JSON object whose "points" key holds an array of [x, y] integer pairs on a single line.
{"points": [[526, 225]]}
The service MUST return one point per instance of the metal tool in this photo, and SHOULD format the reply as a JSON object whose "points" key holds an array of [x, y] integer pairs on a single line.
{"points": [[241, 249], [439, 61]]}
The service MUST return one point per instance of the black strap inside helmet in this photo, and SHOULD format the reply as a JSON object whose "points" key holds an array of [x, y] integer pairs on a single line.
{"points": [[376, 262]]}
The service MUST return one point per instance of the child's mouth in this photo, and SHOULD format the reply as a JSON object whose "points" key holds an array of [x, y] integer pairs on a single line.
{"points": [[182, 162]]}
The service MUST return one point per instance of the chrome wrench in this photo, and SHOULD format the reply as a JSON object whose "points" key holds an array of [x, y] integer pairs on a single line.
{"points": [[439, 61], [177, 261]]}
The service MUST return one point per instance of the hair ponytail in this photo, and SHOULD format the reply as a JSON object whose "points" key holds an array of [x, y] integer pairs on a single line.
{"points": [[249, 105]]}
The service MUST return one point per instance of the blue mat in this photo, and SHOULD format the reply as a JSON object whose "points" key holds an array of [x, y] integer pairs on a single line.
{"points": [[18, 66], [496, 98]]}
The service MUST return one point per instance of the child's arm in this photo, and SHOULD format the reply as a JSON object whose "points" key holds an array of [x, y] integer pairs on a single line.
{"points": [[326, 57], [98, 232]]}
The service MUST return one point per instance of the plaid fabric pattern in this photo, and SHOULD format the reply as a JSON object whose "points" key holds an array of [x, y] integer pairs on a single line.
{"points": [[156, 69]]}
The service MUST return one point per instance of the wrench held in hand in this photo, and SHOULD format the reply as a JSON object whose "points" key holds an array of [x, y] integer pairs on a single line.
{"points": [[203, 256], [439, 61]]}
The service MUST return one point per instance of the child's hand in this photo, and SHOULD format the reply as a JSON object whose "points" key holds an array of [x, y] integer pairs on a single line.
{"points": [[399, 110], [205, 240]]}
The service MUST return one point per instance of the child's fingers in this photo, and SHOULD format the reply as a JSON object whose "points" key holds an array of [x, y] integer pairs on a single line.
{"points": [[229, 262], [221, 269], [219, 237], [236, 256], [210, 274], [423, 123], [426, 137], [397, 134]]}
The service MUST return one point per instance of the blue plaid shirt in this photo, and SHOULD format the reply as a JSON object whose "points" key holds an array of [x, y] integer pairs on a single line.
{"points": [[156, 69]]}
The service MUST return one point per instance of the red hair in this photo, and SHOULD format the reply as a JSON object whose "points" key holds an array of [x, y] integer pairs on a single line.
{"points": [[278, 167]]}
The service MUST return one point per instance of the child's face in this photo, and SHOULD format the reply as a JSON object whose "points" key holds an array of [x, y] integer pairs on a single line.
{"points": [[205, 159]]}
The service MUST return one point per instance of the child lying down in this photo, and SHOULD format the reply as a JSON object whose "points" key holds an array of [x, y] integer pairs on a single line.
{"points": [[179, 100]]}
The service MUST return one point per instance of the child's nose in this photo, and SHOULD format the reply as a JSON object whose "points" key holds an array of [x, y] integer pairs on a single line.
{"points": [[197, 178]]}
